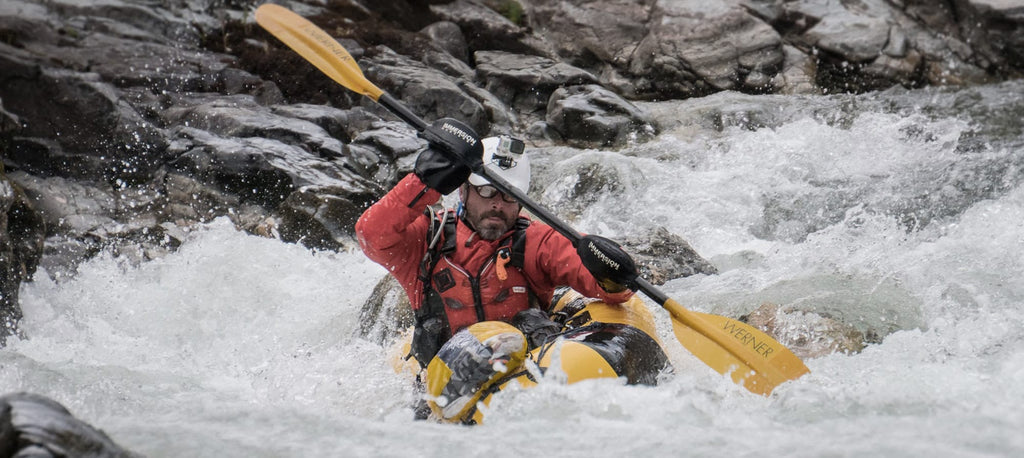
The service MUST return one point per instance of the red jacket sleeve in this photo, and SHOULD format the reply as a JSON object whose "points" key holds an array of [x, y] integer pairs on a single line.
{"points": [[393, 231], [552, 261]]}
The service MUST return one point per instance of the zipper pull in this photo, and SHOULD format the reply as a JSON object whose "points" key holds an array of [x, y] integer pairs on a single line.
{"points": [[504, 256]]}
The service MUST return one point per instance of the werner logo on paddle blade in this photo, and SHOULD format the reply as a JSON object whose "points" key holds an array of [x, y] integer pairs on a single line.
{"points": [[750, 357], [760, 345]]}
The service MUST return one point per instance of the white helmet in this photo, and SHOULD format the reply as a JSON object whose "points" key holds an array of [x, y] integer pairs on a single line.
{"points": [[504, 157]]}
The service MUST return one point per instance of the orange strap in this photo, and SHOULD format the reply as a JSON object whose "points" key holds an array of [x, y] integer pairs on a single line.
{"points": [[503, 258]]}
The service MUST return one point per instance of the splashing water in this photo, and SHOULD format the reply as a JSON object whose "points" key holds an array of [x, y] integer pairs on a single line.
{"points": [[900, 213]]}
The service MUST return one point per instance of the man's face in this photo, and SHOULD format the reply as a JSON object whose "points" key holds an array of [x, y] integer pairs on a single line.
{"points": [[491, 216]]}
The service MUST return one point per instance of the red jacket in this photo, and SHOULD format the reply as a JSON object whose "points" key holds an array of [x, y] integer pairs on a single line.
{"points": [[393, 234]]}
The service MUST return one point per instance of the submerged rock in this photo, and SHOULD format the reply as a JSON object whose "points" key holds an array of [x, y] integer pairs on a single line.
{"points": [[807, 334], [33, 425]]}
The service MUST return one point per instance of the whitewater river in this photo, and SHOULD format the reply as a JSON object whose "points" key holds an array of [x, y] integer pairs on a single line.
{"points": [[901, 213]]}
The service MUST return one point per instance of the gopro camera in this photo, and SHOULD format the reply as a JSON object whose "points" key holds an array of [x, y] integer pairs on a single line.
{"points": [[508, 149]]}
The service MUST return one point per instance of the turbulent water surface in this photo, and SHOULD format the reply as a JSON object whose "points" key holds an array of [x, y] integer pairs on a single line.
{"points": [[901, 213]]}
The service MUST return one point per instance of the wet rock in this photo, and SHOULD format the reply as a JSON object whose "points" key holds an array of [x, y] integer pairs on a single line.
{"points": [[127, 61], [893, 48], [807, 334], [172, 24], [22, 232], [322, 217], [259, 170], [599, 36], [687, 54], [504, 120], [857, 37], [317, 199], [448, 64], [83, 219], [427, 92], [378, 151], [10, 124], [190, 198], [798, 75], [590, 116], [68, 205], [239, 167], [486, 29], [88, 130], [386, 314], [449, 37], [8, 436], [526, 82], [241, 116], [343, 125], [993, 29], [575, 184], [33, 425], [663, 256]]}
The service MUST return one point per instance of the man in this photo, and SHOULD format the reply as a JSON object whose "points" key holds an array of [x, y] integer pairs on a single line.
{"points": [[493, 261]]}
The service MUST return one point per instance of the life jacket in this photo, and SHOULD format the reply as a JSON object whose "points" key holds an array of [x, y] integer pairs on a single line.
{"points": [[455, 298]]}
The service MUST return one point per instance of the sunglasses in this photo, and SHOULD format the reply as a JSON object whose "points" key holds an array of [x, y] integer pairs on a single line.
{"points": [[488, 192]]}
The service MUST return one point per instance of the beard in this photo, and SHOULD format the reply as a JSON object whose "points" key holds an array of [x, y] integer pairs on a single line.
{"points": [[490, 229]]}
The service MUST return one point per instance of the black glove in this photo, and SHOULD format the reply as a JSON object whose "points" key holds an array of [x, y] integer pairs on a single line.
{"points": [[613, 268], [438, 172], [452, 148]]}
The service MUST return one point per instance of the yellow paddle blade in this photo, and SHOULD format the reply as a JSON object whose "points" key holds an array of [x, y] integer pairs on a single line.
{"points": [[317, 47], [755, 361]]}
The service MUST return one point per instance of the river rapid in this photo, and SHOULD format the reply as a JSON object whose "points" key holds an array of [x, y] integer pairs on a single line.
{"points": [[900, 212]]}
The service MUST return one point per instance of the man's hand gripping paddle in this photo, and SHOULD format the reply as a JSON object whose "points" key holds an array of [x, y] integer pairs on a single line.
{"points": [[754, 360]]}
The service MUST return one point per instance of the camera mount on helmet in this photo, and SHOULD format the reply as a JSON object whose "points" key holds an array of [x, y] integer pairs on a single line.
{"points": [[505, 157]]}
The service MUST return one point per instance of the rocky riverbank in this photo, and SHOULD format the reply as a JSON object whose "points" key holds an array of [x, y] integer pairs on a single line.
{"points": [[125, 122]]}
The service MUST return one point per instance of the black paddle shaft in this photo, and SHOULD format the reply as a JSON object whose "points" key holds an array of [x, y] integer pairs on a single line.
{"points": [[401, 111]]}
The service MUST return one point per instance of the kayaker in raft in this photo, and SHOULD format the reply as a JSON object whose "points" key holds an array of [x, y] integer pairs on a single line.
{"points": [[499, 266], [475, 277]]}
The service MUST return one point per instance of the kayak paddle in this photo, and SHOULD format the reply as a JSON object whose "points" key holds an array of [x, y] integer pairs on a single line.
{"points": [[753, 359]]}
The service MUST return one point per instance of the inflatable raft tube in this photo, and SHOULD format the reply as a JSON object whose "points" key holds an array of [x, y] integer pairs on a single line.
{"points": [[597, 340]]}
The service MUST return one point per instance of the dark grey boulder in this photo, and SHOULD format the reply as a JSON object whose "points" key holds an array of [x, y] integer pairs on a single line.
{"points": [[526, 82], [591, 116], [484, 28], [322, 217], [86, 127], [449, 37], [21, 247], [692, 51], [427, 92], [663, 256], [589, 34]]}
